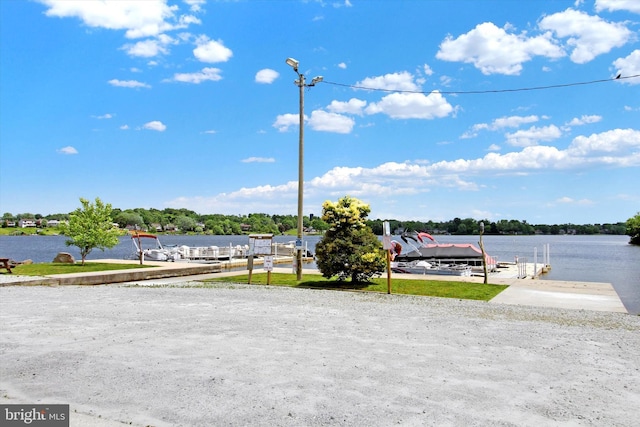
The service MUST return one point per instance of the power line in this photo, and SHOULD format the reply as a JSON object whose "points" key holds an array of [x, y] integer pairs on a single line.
{"points": [[470, 92]]}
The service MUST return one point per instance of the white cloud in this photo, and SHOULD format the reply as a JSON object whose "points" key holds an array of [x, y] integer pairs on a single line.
{"points": [[614, 5], [570, 201], [353, 106], [266, 76], [499, 124], [330, 122], [395, 81], [412, 106], [207, 74], [124, 127], [67, 150], [342, 65], [426, 69], [146, 48], [613, 141], [210, 132], [104, 116], [128, 83], [211, 51], [138, 18], [320, 121], [195, 5], [285, 121], [533, 135], [629, 66], [494, 51], [259, 160], [589, 36], [155, 125], [584, 120]]}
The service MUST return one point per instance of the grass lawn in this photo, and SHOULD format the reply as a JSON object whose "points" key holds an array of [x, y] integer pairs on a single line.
{"points": [[48, 268], [433, 288]]}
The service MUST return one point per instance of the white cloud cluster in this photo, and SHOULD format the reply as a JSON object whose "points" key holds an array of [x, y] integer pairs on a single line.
{"points": [[149, 20], [615, 5], [397, 105], [584, 120], [588, 36], [618, 147], [495, 50], [139, 19]]}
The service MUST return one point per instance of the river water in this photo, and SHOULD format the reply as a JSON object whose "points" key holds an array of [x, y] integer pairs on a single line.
{"points": [[597, 258]]}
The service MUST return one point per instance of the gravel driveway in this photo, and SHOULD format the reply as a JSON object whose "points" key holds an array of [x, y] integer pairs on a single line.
{"points": [[268, 356]]}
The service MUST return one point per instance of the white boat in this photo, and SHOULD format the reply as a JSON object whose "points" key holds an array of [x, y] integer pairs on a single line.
{"points": [[149, 246], [151, 249], [424, 267], [442, 258]]}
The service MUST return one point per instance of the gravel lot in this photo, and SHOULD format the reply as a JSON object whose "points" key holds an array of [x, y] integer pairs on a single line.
{"points": [[267, 356]]}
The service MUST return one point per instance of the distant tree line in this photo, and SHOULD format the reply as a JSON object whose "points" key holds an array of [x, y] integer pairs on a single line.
{"points": [[512, 227], [185, 220]]}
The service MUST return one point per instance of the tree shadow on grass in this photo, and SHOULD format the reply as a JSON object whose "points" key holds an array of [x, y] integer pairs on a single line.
{"points": [[333, 284]]}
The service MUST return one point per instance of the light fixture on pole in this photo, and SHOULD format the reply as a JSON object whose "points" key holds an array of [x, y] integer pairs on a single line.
{"points": [[301, 83]]}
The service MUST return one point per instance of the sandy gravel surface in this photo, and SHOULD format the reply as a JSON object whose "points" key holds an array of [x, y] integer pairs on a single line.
{"points": [[267, 356]]}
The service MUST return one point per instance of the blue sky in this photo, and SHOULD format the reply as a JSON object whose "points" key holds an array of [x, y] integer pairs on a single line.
{"points": [[190, 104]]}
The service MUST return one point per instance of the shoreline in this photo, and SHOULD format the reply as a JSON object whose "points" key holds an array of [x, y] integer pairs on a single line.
{"points": [[521, 291]]}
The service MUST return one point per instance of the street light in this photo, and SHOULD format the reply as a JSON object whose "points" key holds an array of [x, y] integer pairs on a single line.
{"points": [[301, 83]]}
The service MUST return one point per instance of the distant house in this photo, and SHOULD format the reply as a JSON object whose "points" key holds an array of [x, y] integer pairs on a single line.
{"points": [[156, 226], [245, 227], [24, 223], [52, 222], [10, 223]]}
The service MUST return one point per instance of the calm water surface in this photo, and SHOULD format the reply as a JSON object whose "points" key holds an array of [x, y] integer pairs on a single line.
{"points": [[607, 259]]}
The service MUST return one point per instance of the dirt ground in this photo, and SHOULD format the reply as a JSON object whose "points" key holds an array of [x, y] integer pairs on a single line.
{"points": [[266, 356]]}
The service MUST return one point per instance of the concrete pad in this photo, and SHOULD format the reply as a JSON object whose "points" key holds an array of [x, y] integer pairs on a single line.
{"points": [[520, 295]]}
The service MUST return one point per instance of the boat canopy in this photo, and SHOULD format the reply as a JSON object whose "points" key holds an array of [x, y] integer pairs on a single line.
{"points": [[135, 235]]}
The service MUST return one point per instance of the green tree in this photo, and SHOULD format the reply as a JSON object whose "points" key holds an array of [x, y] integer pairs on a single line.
{"points": [[633, 229], [349, 248], [185, 223], [91, 227], [130, 218]]}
